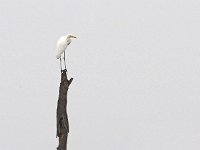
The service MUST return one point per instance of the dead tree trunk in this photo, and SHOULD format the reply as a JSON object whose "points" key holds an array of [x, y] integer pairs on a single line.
{"points": [[62, 118]]}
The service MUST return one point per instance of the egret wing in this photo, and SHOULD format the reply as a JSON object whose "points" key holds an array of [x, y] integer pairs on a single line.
{"points": [[60, 47]]}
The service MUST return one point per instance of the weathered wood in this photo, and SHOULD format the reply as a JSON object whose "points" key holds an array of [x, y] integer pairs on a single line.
{"points": [[62, 118]]}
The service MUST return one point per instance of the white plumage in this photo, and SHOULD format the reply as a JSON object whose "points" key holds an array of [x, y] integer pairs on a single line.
{"points": [[62, 44]]}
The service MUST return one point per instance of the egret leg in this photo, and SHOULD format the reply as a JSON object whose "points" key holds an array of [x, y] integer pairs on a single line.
{"points": [[65, 62], [60, 65]]}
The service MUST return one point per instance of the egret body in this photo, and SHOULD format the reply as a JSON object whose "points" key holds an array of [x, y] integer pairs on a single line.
{"points": [[61, 46]]}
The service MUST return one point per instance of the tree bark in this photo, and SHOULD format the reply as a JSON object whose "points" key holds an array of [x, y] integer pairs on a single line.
{"points": [[62, 118]]}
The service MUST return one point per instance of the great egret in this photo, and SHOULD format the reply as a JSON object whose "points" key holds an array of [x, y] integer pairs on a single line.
{"points": [[61, 46]]}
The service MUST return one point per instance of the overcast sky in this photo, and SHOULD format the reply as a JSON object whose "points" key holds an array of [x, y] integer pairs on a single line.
{"points": [[136, 70]]}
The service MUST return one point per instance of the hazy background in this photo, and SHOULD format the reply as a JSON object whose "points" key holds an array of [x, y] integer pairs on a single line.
{"points": [[136, 69]]}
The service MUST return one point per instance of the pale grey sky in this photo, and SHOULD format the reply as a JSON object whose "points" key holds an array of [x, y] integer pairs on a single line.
{"points": [[136, 69]]}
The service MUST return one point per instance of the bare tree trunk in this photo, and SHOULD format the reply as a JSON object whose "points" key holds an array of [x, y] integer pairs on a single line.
{"points": [[62, 118]]}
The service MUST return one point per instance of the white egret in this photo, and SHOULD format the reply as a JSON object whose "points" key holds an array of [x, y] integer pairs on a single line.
{"points": [[61, 46]]}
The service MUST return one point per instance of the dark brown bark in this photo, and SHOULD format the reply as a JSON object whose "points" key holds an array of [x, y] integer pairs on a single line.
{"points": [[62, 118]]}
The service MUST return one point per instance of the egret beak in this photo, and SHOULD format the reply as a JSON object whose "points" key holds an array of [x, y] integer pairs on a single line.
{"points": [[74, 37]]}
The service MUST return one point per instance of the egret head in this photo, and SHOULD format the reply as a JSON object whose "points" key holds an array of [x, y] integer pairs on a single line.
{"points": [[71, 36]]}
